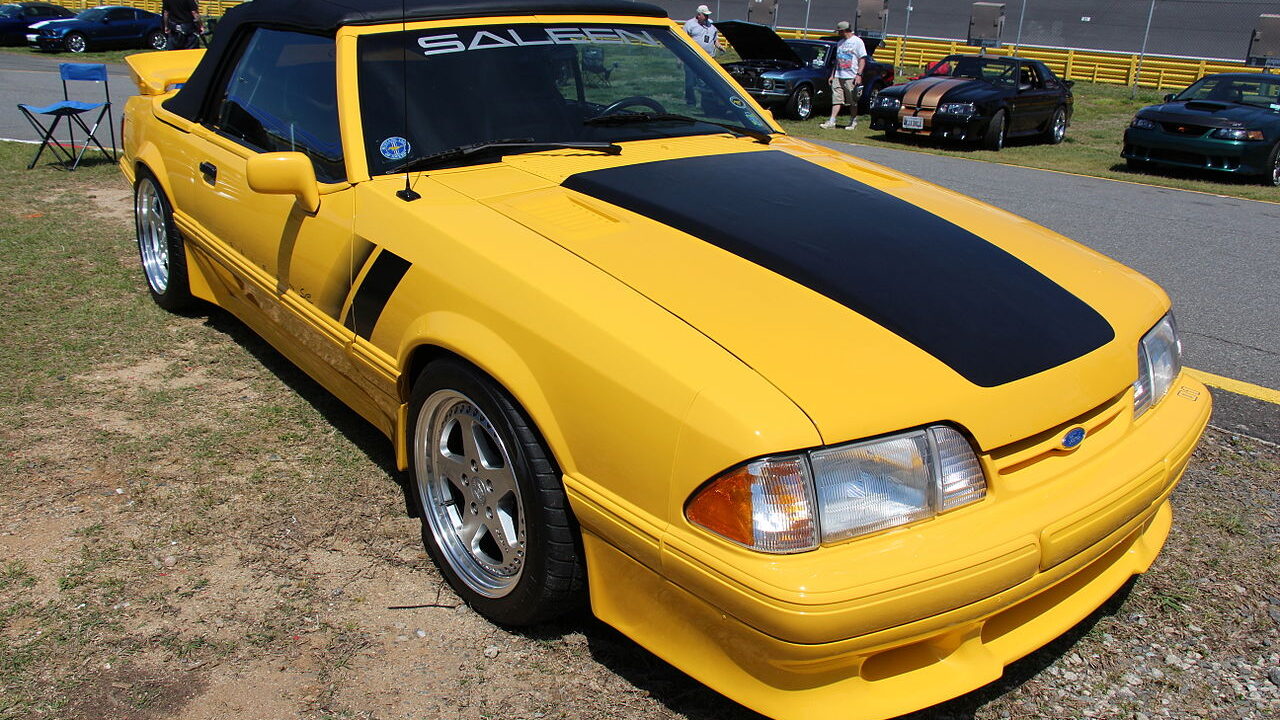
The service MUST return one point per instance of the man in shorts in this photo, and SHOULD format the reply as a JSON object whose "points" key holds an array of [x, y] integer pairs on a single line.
{"points": [[846, 75]]}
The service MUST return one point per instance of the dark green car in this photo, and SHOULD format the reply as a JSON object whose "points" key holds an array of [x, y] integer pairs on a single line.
{"points": [[1228, 122]]}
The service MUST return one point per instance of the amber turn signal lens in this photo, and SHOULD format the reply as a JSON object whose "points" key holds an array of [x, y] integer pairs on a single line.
{"points": [[764, 505]]}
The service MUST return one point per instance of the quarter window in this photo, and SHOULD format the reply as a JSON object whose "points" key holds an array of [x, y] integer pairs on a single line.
{"points": [[283, 96]]}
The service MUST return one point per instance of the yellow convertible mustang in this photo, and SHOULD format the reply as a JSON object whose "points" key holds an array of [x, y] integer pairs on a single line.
{"points": [[844, 469]]}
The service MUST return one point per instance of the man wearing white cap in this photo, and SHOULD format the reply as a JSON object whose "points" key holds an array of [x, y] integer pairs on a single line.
{"points": [[846, 75], [699, 28]]}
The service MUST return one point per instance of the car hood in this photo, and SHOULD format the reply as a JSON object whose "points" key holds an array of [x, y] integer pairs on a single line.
{"points": [[1209, 113], [906, 304], [929, 92], [756, 42]]}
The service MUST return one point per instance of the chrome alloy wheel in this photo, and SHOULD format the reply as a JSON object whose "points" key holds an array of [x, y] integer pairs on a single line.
{"points": [[804, 104], [1059, 127], [153, 235], [1275, 167], [469, 493]]}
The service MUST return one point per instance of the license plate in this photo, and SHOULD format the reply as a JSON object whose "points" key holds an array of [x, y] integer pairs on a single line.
{"points": [[913, 122]]}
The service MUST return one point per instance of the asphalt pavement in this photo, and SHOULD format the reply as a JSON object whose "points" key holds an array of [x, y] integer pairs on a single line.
{"points": [[32, 78]]}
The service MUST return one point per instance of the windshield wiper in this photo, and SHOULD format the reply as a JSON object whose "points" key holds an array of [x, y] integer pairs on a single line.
{"points": [[501, 147], [629, 118]]}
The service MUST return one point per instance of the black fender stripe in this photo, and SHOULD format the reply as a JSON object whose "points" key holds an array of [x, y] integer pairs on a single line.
{"points": [[986, 314], [374, 292]]}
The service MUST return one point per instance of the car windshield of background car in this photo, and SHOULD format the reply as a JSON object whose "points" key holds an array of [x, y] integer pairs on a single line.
{"points": [[9, 11], [533, 83], [1260, 92], [810, 54]]}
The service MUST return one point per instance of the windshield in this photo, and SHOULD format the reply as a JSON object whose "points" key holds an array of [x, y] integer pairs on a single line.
{"points": [[810, 53], [93, 14], [1262, 91], [8, 11], [995, 70], [535, 84]]}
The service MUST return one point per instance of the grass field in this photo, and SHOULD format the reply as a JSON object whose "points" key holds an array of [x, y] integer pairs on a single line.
{"points": [[193, 529]]}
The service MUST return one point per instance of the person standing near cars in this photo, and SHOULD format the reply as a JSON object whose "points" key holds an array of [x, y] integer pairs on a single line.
{"points": [[182, 24], [846, 75], [705, 34]]}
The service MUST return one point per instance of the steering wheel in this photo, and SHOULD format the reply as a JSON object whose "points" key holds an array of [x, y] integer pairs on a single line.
{"points": [[634, 100]]}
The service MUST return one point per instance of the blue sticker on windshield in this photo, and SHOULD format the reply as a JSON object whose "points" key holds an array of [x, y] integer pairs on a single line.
{"points": [[394, 148]]}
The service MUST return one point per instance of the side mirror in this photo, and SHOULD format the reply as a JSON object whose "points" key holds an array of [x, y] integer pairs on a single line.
{"points": [[285, 173], [1168, 97], [1069, 83]]}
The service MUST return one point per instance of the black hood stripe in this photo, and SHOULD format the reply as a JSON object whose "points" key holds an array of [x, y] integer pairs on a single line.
{"points": [[986, 314]]}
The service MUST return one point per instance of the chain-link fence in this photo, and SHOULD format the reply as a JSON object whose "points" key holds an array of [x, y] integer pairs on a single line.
{"points": [[1218, 29]]}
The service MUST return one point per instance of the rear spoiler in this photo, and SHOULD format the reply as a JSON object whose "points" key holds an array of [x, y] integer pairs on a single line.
{"points": [[157, 73]]}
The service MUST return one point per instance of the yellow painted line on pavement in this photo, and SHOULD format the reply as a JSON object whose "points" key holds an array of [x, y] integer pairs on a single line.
{"points": [[1238, 387]]}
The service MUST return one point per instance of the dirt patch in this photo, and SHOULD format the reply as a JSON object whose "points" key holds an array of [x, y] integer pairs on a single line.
{"points": [[113, 203]]}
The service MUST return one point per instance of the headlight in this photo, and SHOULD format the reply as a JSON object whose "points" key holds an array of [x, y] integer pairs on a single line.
{"points": [[766, 84], [957, 108], [1142, 124], [1159, 362], [796, 502], [888, 102], [1236, 134]]}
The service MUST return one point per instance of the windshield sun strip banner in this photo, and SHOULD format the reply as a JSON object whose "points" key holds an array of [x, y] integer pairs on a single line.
{"points": [[972, 305]]}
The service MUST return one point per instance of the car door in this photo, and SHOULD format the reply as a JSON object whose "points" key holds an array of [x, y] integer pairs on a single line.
{"points": [[279, 93], [1033, 102], [111, 29]]}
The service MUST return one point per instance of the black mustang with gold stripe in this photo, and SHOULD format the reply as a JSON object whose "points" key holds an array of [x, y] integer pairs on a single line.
{"points": [[978, 98]]}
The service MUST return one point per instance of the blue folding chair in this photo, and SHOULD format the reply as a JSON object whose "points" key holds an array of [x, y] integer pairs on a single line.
{"points": [[74, 112]]}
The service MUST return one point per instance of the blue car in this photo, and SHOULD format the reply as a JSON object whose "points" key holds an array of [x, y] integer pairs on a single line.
{"points": [[794, 75], [15, 18], [105, 26]]}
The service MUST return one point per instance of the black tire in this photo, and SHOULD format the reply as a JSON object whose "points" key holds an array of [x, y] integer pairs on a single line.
{"points": [[993, 137], [75, 43], [1273, 179], [516, 481], [160, 247], [156, 40], [800, 104], [1056, 130]]}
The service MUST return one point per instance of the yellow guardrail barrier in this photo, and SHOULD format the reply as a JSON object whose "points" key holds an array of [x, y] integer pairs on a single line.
{"points": [[208, 8], [1111, 68]]}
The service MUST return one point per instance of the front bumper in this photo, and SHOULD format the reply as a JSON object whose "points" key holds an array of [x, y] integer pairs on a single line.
{"points": [[44, 42], [906, 640], [1204, 153], [936, 125]]}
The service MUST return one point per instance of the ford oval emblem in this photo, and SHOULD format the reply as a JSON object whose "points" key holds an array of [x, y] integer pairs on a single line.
{"points": [[1073, 438]]}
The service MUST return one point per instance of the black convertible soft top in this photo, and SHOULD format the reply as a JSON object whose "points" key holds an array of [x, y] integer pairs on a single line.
{"points": [[326, 16]]}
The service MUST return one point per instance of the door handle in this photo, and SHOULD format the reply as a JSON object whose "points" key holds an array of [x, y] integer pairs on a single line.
{"points": [[210, 172]]}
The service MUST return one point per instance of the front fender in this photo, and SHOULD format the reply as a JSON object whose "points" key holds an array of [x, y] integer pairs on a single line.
{"points": [[481, 346]]}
